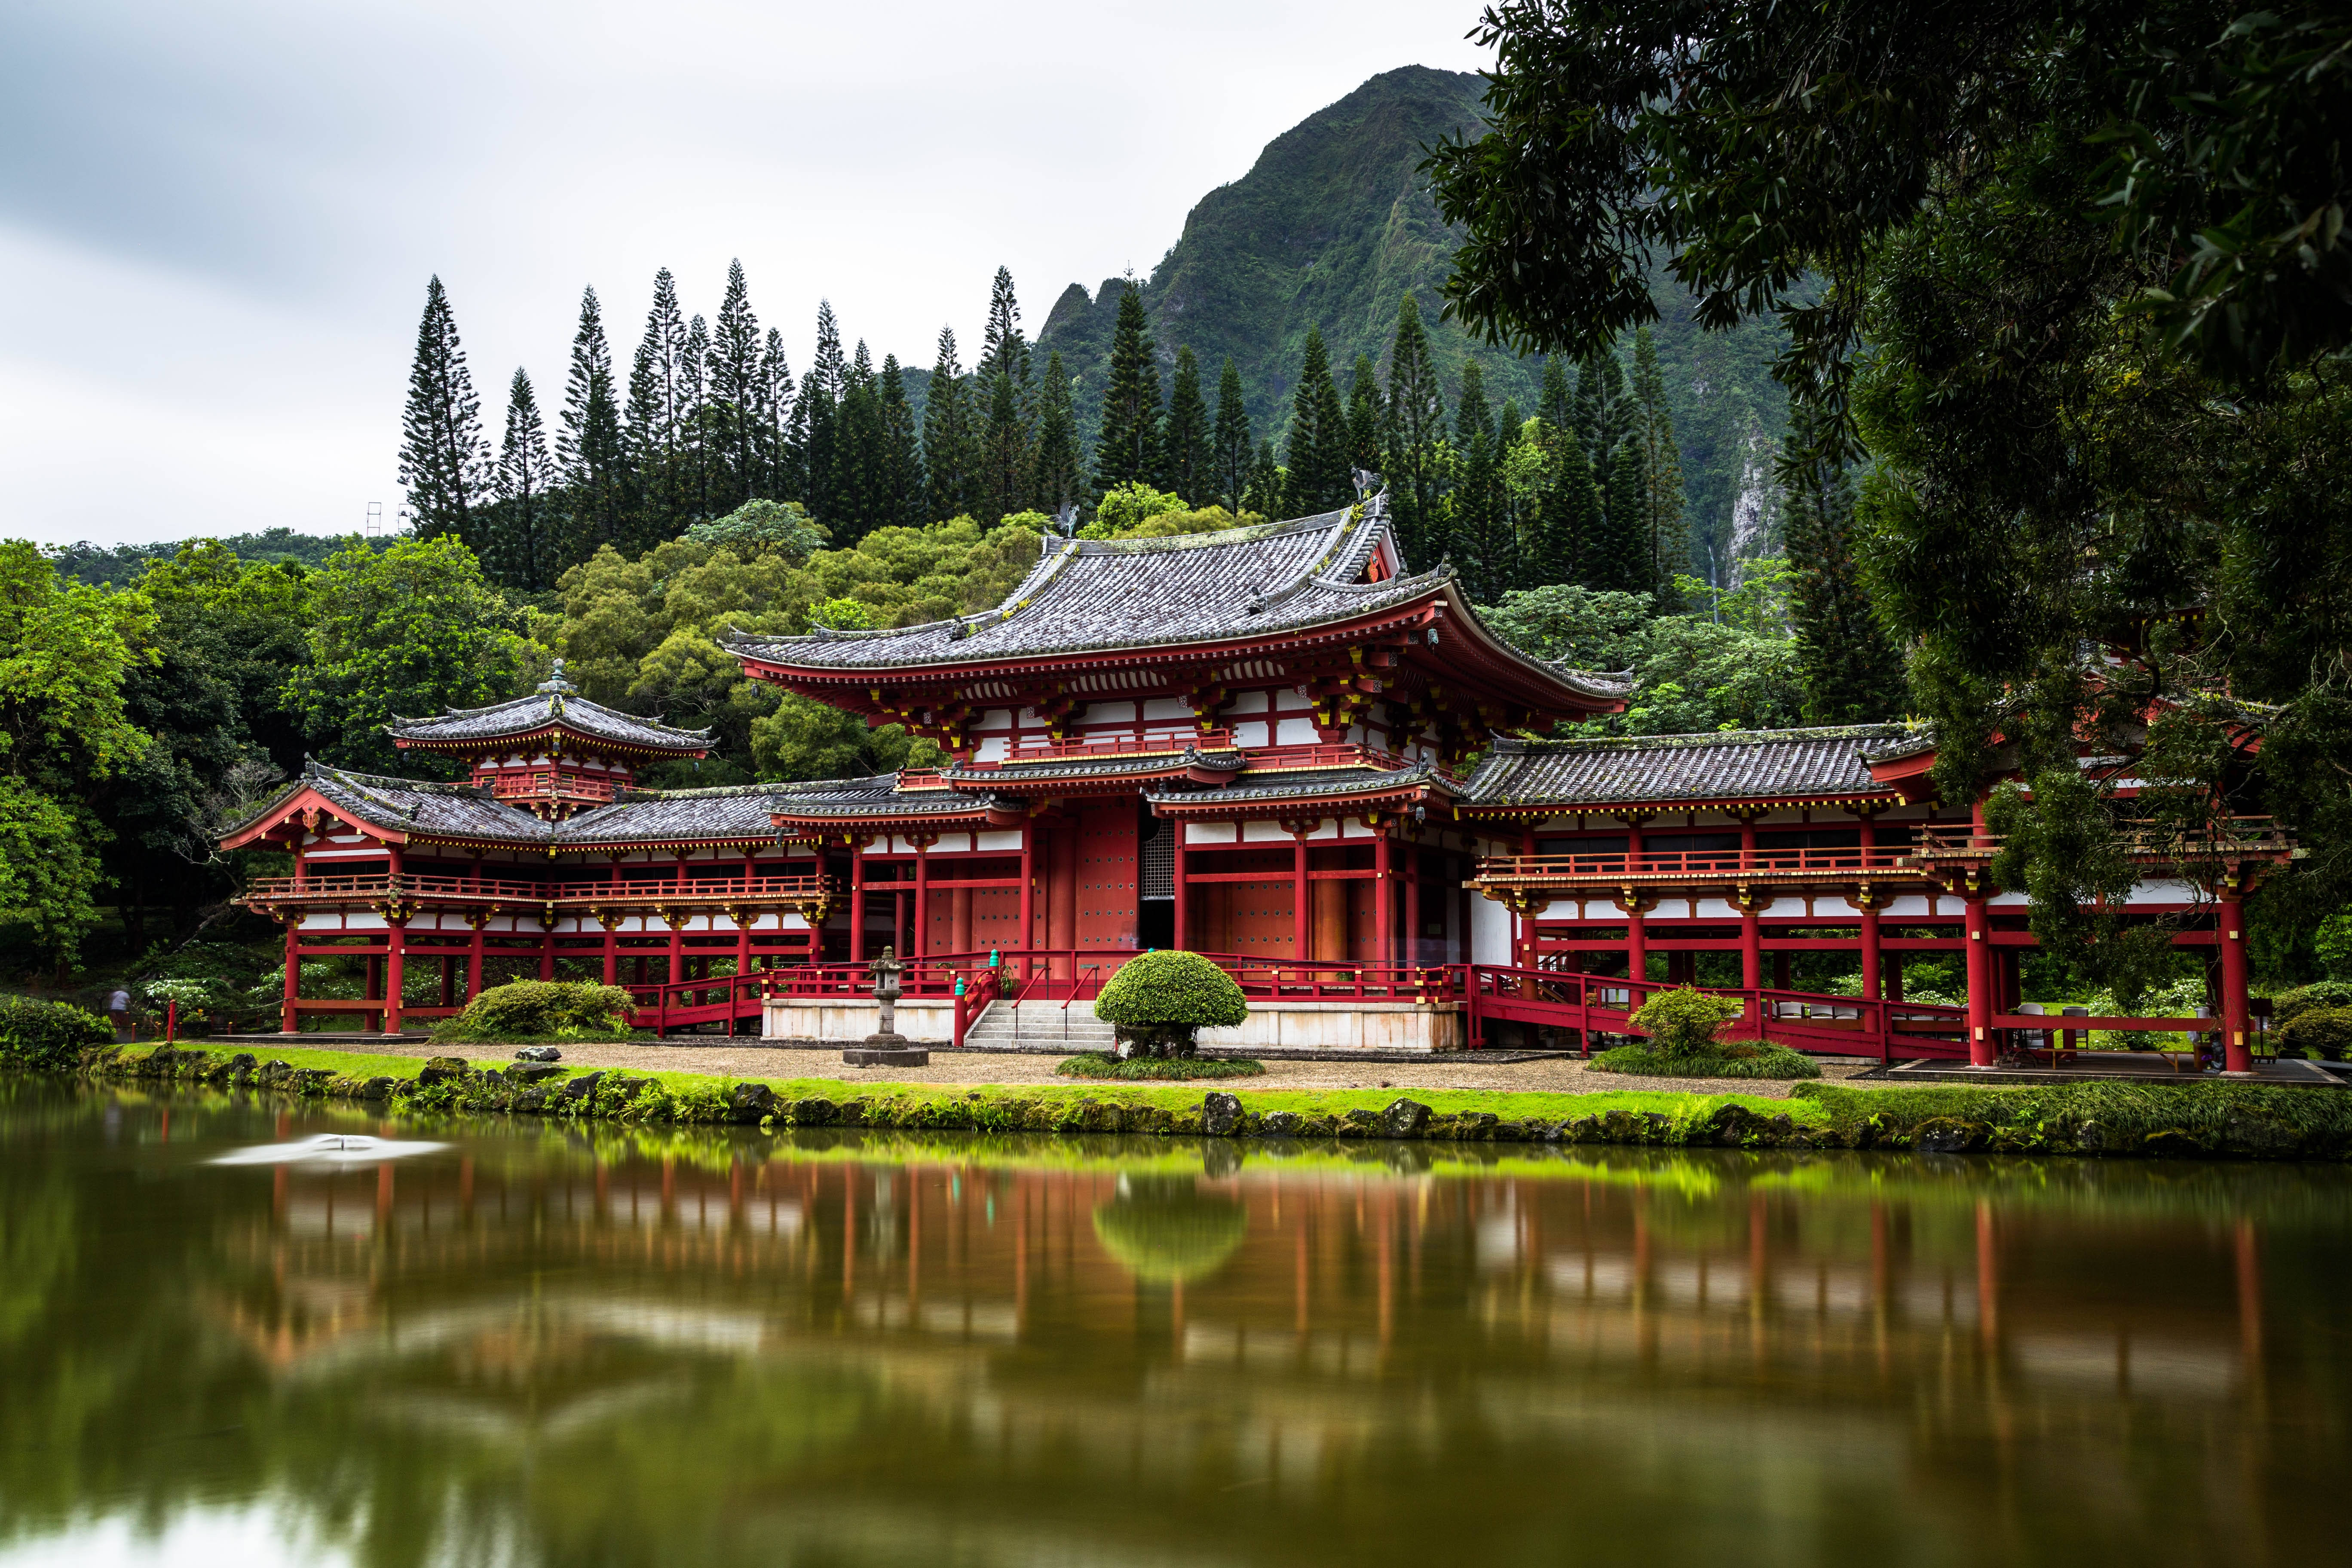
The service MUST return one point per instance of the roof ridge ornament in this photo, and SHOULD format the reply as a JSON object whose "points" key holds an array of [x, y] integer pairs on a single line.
{"points": [[556, 685]]}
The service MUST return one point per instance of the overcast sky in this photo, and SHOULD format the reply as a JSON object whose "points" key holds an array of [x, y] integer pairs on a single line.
{"points": [[217, 219]]}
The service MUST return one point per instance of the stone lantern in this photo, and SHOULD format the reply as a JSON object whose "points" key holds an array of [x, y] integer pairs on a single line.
{"points": [[886, 1047]]}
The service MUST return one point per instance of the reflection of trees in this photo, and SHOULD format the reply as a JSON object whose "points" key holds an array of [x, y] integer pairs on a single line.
{"points": [[715, 1349], [1166, 1231]]}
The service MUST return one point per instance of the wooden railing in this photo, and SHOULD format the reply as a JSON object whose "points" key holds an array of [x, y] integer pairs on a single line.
{"points": [[1173, 744], [2237, 836], [488, 889], [1687, 865], [544, 784]]}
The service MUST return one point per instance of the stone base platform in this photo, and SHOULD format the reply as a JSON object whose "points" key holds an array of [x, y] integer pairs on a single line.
{"points": [[1308, 1029], [892, 1050]]}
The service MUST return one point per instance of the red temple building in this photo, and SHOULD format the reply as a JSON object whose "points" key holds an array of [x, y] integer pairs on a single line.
{"points": [[1275, 744]]}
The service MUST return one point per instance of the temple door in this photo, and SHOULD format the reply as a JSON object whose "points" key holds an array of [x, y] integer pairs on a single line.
{"points": [[1108, 852]]}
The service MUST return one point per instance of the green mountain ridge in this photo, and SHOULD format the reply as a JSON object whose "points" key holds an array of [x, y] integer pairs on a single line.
{"points": [[1332, 225]]}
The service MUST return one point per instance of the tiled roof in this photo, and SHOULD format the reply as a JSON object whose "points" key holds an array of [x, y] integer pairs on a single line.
{"points": [[1013, 776], [738, 812], [1728, 765], [1089, 594], [1317, 783], [555, 702], [413, 806], [821, 799]]}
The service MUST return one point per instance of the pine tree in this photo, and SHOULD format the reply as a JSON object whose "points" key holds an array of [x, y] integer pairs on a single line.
{"points": [[1129, 446], [782, 476], [520, 547], [1662, 464], [1186, 458], [1318, 479], [595, 458], [1414, 442], [1621, 559], [819, 400], [859, 501], [1057, 477], [1852, 671], [1229, 448], [641, 422], [901, 486], [948, 442], [698, 449], [661, 409], [1482, 544], [1366, 413], [1600, 417], [443, 459], [735, 388], [1005, 460], [1001, 345]]}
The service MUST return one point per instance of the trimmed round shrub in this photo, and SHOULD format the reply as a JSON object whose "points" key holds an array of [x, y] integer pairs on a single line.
{"points": [[2322, 1032], [1685, 1022], [51, 1034], [529, 1010], [1102, 1064], [1158, 1002]]}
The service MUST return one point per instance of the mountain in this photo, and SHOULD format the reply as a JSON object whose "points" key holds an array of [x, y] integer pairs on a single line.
{"points": [[1332, 225]]}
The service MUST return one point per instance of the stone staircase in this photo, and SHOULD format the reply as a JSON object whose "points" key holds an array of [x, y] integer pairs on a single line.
{"points": [[1038, 1027]]}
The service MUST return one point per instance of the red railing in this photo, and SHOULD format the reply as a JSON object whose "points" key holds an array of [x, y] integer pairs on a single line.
{"points": [[1172, 744], [1341, 754], [1809, 1021], [649, 890], [545, 785], [2237, 835], [1690, 865]]}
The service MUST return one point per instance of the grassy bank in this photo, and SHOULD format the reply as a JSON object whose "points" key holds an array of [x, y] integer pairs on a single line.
{"points": [[2198, 1120]]}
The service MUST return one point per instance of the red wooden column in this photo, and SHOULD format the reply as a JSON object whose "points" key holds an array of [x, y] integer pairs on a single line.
{"points": [[1383, 918], [287, 1015], [612, 952], [2237, 1020], [395, 967], [922, 943], [1981, 983], [1029, 885], [476, 952], [1523, 935], [1637, 933], [1302, 895], [857, 899], [1869, 947], [1181, 868], [1412, 903]]}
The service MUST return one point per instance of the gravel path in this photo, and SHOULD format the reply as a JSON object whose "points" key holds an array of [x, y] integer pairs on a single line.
{"points": [[742, 1059]]}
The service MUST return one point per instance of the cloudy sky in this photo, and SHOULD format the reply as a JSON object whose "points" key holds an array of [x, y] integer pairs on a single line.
{"points": [[217, 219]]}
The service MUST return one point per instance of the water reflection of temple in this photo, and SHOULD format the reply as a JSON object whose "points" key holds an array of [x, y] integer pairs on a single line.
{"points": [[1648, 1265]]}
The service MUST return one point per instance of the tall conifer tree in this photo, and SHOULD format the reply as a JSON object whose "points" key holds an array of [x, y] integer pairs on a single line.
{"points": [[1415, 442], [1128, 449], [594, 456], [1058, 478], [519, 549], [1622, 559], [1662, 463], [662, 380], [1186, 468], [735, 389], [1261, 491], [820, 399], [948, 441], [1482, 536], [1001, 346], [1568, 511], [443, 459], [1230, 446], [1852, 673], [1318, 439], [901, 477], [1366, 413], [782, 478]]}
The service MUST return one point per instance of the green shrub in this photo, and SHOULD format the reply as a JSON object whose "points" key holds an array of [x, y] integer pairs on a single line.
{"points": [[528, 1010], [1685, 1021], [2319, 994], [1739, 1058], [2324, 1032], [47, 1033], [1183, 990], [1102, 1064]]}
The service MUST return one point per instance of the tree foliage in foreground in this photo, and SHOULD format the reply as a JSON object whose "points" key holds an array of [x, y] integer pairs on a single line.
{"points": [[2097, 252]]}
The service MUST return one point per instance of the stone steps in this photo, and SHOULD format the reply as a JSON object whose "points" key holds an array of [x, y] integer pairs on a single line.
{"points": [[1040, 1026]]}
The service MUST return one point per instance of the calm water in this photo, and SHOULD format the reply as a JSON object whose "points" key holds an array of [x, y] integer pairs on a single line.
{"points": [[540, 1346]]}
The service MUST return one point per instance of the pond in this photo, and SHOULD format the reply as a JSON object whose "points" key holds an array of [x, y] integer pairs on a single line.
{"points": [[529, 1343]]}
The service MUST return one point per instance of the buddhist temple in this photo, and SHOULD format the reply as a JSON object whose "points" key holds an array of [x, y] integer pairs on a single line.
{"points": [[1279, 745]]}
